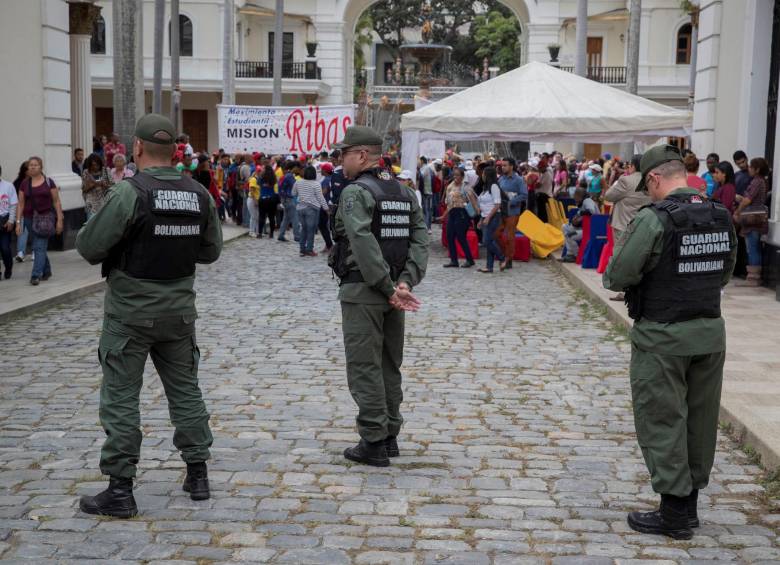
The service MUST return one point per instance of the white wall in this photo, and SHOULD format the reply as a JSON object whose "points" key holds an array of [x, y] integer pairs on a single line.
{"points": [[732, 79], [23, 99], [35, 109]]}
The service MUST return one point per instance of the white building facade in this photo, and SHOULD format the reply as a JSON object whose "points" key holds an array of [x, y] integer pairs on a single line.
{"points": [[59, 94], [326, 74], [736, 97]]}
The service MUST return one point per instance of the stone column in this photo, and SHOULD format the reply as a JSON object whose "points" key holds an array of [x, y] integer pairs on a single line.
{"points": [[82, 16]]}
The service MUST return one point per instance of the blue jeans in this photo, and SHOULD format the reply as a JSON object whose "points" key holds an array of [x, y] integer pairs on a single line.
{"points": [[245, 218], [41, 265], [21, 241], [290, 217], [310, 219], [753, 244], [427, 206], [5, 251], [489, 240], [458, 222]]}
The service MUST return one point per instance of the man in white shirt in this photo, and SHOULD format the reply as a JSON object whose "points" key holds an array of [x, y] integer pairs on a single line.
{"points": [[425, 186], [8, 203], [470, 175]]}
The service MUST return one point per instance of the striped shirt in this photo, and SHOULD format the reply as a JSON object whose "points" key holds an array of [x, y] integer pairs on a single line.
{"points": [[309, 193]]}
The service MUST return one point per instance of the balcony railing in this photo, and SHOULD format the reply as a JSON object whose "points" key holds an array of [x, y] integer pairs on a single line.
{"points": [[265, 69], [606, 75]]}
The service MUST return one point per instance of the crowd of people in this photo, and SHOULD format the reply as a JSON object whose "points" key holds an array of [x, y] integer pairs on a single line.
{"points": [[295, 196]]}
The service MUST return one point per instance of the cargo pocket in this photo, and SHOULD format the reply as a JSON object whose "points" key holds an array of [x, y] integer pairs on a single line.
{"points": [[111, 354], [195, 356]]}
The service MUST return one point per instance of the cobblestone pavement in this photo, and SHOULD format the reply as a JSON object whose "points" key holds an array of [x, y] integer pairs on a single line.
{"points": [[519, 445]]}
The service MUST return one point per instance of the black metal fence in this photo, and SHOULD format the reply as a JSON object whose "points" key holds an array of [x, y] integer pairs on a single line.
{"points": [[606, 75], [265, 69]]}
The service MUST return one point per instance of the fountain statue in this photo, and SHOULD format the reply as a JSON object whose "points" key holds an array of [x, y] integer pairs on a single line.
{"points": [[425, 52]]}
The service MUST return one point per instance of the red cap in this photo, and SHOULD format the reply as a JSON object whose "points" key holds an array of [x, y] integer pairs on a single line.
{"points": [[326, 168]]}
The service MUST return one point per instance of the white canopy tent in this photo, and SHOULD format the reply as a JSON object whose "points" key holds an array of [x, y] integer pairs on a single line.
{"points": [[538, 102]]}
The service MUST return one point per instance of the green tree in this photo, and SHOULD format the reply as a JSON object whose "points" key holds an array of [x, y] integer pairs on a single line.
{"points": [[496, 37], [362, 38], [450, 17], [391, 17]]}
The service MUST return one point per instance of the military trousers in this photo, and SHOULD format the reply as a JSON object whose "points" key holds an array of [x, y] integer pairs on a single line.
{"points": [[374, 346], [122, 352], [676, 404]]}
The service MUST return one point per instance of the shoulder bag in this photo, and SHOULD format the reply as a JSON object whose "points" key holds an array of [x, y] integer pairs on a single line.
{"points": [[43, 223], [754, 216], [469, 206]]}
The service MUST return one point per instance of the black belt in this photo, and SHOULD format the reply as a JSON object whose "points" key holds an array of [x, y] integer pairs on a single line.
{"points": [[352, 277]]}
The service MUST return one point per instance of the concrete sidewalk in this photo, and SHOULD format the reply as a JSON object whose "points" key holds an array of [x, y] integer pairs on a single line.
{"points": [[72, 277], [751, 389]]}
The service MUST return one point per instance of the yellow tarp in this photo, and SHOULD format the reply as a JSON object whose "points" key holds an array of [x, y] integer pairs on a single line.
{"points": [[544, 238]]}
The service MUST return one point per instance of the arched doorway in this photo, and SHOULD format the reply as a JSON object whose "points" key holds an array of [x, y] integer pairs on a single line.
{"points": [[338, 37]]}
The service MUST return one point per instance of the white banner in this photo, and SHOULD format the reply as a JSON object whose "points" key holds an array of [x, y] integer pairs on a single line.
{"points": [[277, 130], [430, 148]]}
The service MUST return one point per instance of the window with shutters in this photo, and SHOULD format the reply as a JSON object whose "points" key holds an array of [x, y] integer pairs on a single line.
{"points": [[684, 38], [185, 36], [97, 44]]}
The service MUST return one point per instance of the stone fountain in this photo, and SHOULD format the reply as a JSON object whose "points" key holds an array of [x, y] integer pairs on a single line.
{"points": [[425, 52]]}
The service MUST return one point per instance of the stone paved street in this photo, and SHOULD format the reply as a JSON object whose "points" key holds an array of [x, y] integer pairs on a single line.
{"points": [[519, 445]]}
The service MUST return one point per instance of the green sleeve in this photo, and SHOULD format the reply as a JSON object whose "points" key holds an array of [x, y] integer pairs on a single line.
{"points": [[211, 240], [731, 260], [356, 208], [417, 261], [639, 251], [107, 228]]}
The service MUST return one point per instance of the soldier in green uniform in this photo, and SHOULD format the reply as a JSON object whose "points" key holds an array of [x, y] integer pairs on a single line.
{"points": [[152, 230], [381, 253], [673, 260]]}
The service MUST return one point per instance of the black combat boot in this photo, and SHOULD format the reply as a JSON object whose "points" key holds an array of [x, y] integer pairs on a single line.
{"points": [[117, 500], [391, 446], [693, 513], [197, 481], [373, 453], [671, 519]]}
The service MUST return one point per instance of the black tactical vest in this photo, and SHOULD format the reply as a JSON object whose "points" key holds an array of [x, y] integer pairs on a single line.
{"points": [[686, 283], [164, 240], [391, 223]]}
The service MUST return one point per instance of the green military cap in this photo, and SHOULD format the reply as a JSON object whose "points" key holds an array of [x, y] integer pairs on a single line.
{"points": [[359, 135], [155, 128], [655, 157]]}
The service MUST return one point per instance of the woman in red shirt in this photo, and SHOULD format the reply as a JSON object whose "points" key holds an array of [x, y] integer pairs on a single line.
{"points": [[38, 195], [694, 181], [727, 191]]}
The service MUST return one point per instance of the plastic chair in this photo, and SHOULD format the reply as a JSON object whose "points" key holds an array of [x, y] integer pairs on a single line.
{"points": [[585, 237], [597, 239], [606, 253]]}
